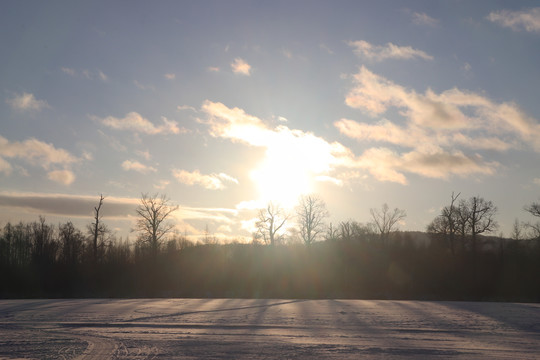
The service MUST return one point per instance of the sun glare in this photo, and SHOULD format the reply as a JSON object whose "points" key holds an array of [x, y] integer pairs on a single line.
{"points": [[286, 173]]}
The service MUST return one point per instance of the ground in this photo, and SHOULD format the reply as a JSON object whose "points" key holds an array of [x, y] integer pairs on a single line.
{"points": [[267, 329]]}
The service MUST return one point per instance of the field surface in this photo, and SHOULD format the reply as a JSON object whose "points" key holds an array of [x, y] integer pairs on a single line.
{"points": [[267, 329]]}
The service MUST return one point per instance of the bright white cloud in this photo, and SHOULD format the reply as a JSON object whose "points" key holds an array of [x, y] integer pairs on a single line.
{"points": [[389, 51], [448, 114], [27, 102], [35, 152], [527, 19], [293, 158], [65, 177], [424, 19], [438, 129], [136, 123], [240, 66], [211, 182], [130, 165]]}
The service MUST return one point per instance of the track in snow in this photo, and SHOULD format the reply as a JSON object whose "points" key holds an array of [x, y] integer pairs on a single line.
{"points": [[263, 329]]}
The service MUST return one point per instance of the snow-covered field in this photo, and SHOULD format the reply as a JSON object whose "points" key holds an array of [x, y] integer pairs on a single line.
{"points": [[267, 329]]}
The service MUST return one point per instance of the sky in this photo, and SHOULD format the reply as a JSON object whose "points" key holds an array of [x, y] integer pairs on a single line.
{"points": [[224, 106]]}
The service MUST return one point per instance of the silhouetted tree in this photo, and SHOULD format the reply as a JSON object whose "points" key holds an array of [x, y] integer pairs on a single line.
{"points": [[97, 230], [447, 223], [517, 230], [481, 218], [534, 210], [331, 234], [386, 221], [153, 213], [310, 215], [45, 248], [269, 222], [71, 240]]}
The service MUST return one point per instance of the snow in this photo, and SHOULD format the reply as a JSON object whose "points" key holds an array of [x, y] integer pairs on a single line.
{"points": [[267, 329]]}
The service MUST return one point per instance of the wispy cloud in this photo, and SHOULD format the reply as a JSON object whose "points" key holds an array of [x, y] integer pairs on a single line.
{"points": [[130, 165], [211, 182], [516, 20], [65, 177], [144, 87], [364, 49], [5, 167], [85, 73], [133, 121], [170, 76], [240, 66], [186, 107], [212, 69], [27, 102], [423, 19]]}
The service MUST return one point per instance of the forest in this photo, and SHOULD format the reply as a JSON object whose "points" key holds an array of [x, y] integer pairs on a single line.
{"points": [[455, 258]]}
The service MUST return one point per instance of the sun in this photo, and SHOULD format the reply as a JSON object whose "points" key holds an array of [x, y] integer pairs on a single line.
{"points": [[283, 175]]}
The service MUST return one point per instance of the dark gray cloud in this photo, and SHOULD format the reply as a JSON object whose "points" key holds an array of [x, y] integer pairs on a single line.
{"points": [[67, 205]]}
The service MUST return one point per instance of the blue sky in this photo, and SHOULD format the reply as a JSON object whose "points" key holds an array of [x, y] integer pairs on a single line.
{"points": [[226, 105]]}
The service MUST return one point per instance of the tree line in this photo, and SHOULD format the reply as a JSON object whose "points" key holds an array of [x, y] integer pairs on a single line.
{"points": [[454, 259]]}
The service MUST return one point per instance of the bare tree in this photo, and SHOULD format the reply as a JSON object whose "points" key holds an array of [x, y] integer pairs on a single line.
{"points": [[481, 218], [310, 215], [270, 221], [517, 230], [152, 212], [533, 209], [97, 229], [447, 223], [386, 221], [534, 228]]}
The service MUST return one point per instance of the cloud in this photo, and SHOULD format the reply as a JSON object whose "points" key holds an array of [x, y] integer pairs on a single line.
{"points": [[527, 19], [27, 102], [211, 182], [133, 121], [449, 113], [389, 51], [90, 75], [292, 159], [144, 87], [129, 165], [162, 184], [423, 19], [5, 167], [170, 76], [186, 107], [35, 152], [440, 132], [102, 76], [240, 66], [69, 71], [212, 69], [65, 177], [68, 205]]}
